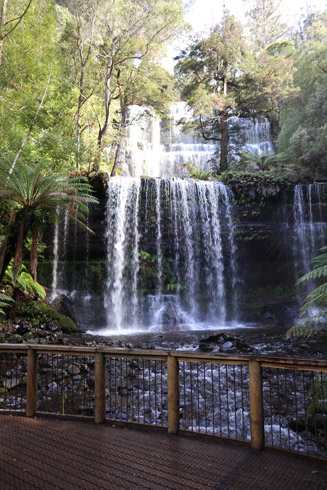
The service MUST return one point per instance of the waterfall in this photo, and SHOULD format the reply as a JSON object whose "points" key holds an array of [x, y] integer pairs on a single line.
{"points": [[170, 255], [251, 135], [59, 254], [122, 252], [310, 231], [55, 261], [156, 150]]}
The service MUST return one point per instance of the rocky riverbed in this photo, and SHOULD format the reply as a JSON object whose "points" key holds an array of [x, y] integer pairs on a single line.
{"points": [[214, 399], [252, 339]]}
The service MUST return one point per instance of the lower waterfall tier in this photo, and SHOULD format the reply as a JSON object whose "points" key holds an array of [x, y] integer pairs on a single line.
{"points": [[179, 254]]}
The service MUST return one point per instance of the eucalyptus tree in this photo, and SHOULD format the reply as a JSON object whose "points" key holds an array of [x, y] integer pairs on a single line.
{"points": [[147, 85], [265, 22], [132, 31], [221, 78], [78, 46]]}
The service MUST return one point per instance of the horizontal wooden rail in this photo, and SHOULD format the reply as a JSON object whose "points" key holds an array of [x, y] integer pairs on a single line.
{"points": [[186, 356]]}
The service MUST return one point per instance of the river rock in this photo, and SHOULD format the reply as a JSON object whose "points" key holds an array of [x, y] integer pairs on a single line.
{"points": [[73, 369], [22, 329], [11, 383], [226, 346]]}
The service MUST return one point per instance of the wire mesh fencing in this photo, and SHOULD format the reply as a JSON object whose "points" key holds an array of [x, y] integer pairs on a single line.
{"points": [[136, 390], [295, 409], [214, 399], [66, 384], [13, 379]]}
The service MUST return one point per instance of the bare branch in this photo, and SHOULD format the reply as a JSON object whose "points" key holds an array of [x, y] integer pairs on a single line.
{"points": [[18, 19]]}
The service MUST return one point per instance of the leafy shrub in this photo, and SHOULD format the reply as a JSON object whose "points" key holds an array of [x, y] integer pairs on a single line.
{"points": [[256, 186]]}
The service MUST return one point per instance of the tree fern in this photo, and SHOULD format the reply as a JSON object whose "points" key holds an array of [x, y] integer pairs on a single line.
{"points": [[35, 196], [317, 298]]}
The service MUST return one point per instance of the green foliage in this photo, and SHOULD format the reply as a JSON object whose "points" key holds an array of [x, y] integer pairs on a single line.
{"points": [[250, 161], [220, 78], [35, 196], [318, 296], [309, 327], [255, 186], [28, 58], [174, 285], [198, 173], [146, 257], [304, 120], [5, 302], [25, 282], [39, 313], [316, 299]]}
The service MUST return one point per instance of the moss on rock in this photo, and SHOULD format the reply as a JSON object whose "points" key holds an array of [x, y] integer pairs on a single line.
{"points": [[39, 313]]}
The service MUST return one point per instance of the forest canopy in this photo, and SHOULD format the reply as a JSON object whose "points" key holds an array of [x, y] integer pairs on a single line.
{"points": [[67, 80]]}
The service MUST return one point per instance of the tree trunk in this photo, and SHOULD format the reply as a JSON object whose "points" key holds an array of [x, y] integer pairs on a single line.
{"points": [[104, 128], [117, 160], [2, 26], [223, 143], [122, 130], [33, 254], [84, 62], [79, 107]]}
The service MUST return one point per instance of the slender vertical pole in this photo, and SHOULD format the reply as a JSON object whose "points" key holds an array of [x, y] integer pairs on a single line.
{"points": [[173, 395], [100, 389], [256, 406], [31, 389]]}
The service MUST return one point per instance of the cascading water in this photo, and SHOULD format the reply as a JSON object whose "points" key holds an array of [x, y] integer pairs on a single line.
{"points": [[251, 135], [59, 255], [170, 255], [155, 151], [310, 231]]}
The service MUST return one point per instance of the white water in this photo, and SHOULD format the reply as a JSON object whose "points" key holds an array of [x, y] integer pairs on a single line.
{"points": [[309, 228], [185, 237], [310, 231], [155, 151]]}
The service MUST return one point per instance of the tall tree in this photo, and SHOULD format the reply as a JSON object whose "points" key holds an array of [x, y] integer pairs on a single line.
{"points": [[304, 120], [220, 78], [266, 23], [78, 41], [132, 31]]}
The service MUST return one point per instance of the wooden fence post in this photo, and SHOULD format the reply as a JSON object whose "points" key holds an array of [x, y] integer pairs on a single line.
{"points": [[256, 406], [99, 388], [31, 388], [173, 395]]}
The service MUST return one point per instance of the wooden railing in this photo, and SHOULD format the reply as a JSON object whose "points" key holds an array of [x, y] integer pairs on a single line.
{"points": [[259, 397]]}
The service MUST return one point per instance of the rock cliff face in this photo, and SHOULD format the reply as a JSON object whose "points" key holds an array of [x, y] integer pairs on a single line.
{"points": [[251, 277]]}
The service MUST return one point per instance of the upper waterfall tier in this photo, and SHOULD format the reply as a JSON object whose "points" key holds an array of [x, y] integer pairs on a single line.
{"points": [[155, 150]]}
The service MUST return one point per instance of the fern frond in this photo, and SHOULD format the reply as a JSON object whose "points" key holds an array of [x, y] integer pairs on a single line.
{"points": [[317, 273], [309, 326]]}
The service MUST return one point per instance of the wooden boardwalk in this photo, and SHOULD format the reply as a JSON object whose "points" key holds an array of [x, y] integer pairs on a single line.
{"points": [[41, 453]]}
